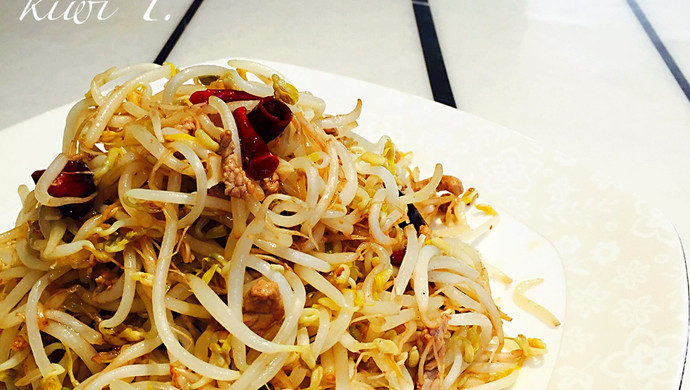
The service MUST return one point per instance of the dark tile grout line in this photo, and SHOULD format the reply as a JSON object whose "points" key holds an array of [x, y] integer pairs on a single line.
{"points": [[433, 58], [661, 48], [175, 36]]}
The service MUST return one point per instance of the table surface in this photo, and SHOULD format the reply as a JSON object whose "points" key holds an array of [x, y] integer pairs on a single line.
{"points": [[603, 81]]}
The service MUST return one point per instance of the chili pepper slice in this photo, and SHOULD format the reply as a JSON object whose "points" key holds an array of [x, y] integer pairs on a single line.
{"points": [[270, 117], [226, 95], [75, 180], [414, 215], [397, 257], [259, 163]]}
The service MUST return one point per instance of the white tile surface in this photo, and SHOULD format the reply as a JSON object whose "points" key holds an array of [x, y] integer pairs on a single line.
{"points": [[54, 60], [378, 44], [584, 80]]}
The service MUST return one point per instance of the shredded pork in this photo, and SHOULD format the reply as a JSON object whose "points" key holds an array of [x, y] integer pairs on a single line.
{"points": [[237, 184], [187, 124], [270, 185], [262, 306], [433, 356], [448, 183]]}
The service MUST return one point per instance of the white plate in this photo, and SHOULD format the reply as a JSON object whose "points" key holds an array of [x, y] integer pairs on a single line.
{"points": [[613, 266]]}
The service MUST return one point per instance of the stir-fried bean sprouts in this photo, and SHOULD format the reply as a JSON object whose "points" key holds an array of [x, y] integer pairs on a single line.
{"points": [[176, 241]]}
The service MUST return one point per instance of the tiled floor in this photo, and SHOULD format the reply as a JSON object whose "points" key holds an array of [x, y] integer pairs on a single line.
{"points": [[377, 44]]}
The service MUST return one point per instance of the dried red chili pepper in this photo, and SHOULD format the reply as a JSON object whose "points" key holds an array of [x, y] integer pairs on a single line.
{"points": [[397, 257], [414, 215], [270, 117], [75, 180], [259, 163], [226, 95]]}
